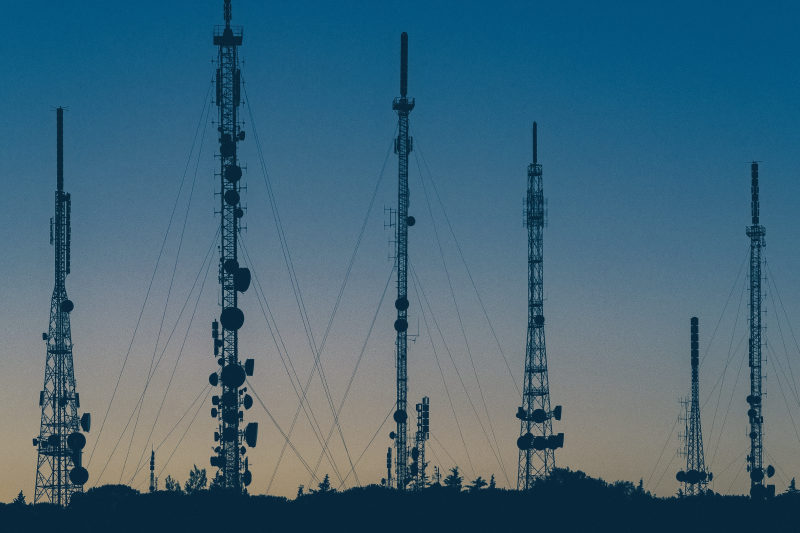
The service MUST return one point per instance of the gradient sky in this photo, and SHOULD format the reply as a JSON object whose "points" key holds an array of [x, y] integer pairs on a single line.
{"points": [[648, 116]]}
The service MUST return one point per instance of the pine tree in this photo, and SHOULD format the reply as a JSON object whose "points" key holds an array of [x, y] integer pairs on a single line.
{"points": [[791, 490], [477, 485], [454, 480], [325, 486], [20, 499], [300, 491], [492, 483]]}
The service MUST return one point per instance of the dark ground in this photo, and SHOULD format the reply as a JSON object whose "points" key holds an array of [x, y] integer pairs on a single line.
{"points": [[567, 501]]}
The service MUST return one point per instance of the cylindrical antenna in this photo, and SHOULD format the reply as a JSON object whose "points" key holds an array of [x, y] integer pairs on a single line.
{"points": [[227, 13], [534, 143], [754, 191], [695, 340], [60, 147], [403, 64]]}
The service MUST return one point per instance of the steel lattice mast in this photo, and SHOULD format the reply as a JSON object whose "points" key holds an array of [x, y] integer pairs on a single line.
{"points": [[537, 442], [59, 472], [232, 278], [695, 478], [403, 146], [755, 460]]}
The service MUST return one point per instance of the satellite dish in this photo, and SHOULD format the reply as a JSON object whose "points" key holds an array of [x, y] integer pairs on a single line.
{"points": [[53, 441], [540, 443], [213, 412], [539, 319], [392, 435], [770, 471], [233, 173], [251, 434], [401, 304], [410, 221], [86, 422], [233, 376], [215, 400], [79, 475], [76, 441], [241, 279], [414, 453], [557, 412], [400, 416], [239, 213], [247, 477], [681, 476], [67, 306], [400, 325], [230, 266], [248, 401], [248, 367], [231, 197], [232, 318], [241, 135], [213, 379]]}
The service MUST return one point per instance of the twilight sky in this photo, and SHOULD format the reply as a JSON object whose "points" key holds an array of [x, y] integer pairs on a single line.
{"points": [[648, 116]]}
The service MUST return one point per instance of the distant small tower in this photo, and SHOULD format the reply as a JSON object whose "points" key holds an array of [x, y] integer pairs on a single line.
{"points": [[418, 452], [695, 478], [153, 486]]}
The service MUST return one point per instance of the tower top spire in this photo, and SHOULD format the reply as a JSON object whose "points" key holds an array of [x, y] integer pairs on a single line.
{"points": [[534, 143], [403, 64], [227, 13]]}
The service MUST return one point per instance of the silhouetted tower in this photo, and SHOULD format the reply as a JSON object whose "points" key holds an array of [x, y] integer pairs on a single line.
{"points": [[59, 472], [755, 460], [418, 451], [537, 442], [695, 478], [403, 146], [153, 478], [232, 278]]}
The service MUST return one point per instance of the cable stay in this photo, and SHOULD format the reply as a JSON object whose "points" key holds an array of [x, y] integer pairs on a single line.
{"points": [[293, 276], [461, 324], [771, 281], [461, 254], [151, 371], [358, 362], [142, 461], [184, 433], [352, 470], [286, 438], [140, 402], [281, 347], [677, 418], [206, 106]]}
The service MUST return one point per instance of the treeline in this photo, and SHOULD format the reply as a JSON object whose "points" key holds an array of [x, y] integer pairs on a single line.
{"points": [[566, 501]]}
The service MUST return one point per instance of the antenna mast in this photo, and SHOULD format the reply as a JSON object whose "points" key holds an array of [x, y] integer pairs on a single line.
{"points": [[402, 147], [695, 478], [60, 472], [232, 278], [537, 442], [755, 461]]}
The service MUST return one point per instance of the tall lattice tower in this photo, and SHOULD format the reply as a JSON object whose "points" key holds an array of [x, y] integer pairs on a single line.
{"points": [[418, 464], [59, 472], [755, 460], [695, 478], [537, 442], [403, 146], [233, 279]]}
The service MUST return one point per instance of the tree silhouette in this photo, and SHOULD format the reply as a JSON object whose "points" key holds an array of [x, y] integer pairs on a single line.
{"points": [[172, 485], [325, 486], [454, 480], [197, 480], [478, 484], [218, 482], [300, 490], [492, 484], [792, 489], [20, 499]]}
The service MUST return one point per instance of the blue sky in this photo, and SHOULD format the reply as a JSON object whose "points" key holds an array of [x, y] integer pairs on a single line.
{"points": [[648, 114]]}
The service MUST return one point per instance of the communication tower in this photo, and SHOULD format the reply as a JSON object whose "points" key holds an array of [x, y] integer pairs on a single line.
{"points": [[233, 279], [60, 472], [537, 442], [755, 460], [418, 451], [695, 478], [403, 146]]}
